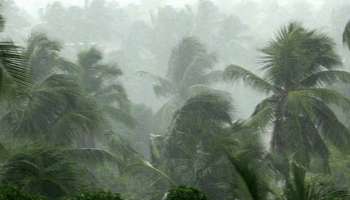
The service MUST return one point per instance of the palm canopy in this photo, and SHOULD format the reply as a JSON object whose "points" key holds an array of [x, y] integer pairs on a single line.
{"points": [[13, 69], [46, 172], [252, 176], [55, 111], [193, 152], [101, 81], [189, 64], [43, 56], [298, 64]]}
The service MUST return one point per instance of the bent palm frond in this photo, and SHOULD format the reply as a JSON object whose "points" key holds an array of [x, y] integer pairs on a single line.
{"points": [[13, 67], [235, 73], [326, 78]]}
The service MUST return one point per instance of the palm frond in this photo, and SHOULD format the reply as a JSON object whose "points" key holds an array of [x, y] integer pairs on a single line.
{"points": [[328, 96], [297, 52], [90, 155], [203, 107], [315, 109], [331, 128], [235, 73], [13, 66], [41, 171], [246, 160], [326, 78], [263, 115], [298, 187], [183, 56]]}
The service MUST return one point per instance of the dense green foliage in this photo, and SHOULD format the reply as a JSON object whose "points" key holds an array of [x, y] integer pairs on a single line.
{"points": [[11, 193], [73, 119], [185, 193], [101, 195], [298, 102]]}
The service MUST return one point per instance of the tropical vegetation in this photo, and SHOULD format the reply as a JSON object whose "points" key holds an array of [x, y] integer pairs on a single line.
{"points": [[97, 103]]}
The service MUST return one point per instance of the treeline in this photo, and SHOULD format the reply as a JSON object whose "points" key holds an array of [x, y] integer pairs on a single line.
{"points": [[70, 131]]}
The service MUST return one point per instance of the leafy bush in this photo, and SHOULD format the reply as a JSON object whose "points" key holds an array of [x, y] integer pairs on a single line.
{"points": [[185, 193], [11, 193], [101, 195]]}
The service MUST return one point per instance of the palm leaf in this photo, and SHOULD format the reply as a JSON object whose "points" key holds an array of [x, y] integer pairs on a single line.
{"points": [[326, 78], [328, 96], [13, 66], [90, 155], [263, 115], [235, 73]]}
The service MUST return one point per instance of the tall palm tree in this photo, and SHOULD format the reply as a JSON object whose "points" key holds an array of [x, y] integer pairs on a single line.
{"points": [[190, 68], [298, 65]]}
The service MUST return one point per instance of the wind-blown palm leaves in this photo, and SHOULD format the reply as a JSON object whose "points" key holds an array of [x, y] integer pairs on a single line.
{"points": [[252, 177], [299, 187], [194, 152], [43, 55], [13, 68], [46, 172], [100, 81], [298, 64], [190, 65], [55, 111]]}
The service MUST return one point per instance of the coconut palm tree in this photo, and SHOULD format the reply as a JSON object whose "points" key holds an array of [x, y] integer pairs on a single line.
{"points": [[190, 69], [298, 65]]}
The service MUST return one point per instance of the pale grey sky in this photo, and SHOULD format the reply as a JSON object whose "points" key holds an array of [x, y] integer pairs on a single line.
{"points": [[33, 5]]}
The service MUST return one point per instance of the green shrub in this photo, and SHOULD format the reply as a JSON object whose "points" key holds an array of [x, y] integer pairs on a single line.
{"points": [[101, 195], [11, 193], [185, 193]]}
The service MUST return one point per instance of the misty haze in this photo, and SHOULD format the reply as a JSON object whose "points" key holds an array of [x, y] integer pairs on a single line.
{"points": [[174, 100]]}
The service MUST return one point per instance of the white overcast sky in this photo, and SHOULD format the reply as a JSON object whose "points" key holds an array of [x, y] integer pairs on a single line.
{"points": [[32, 6]]}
